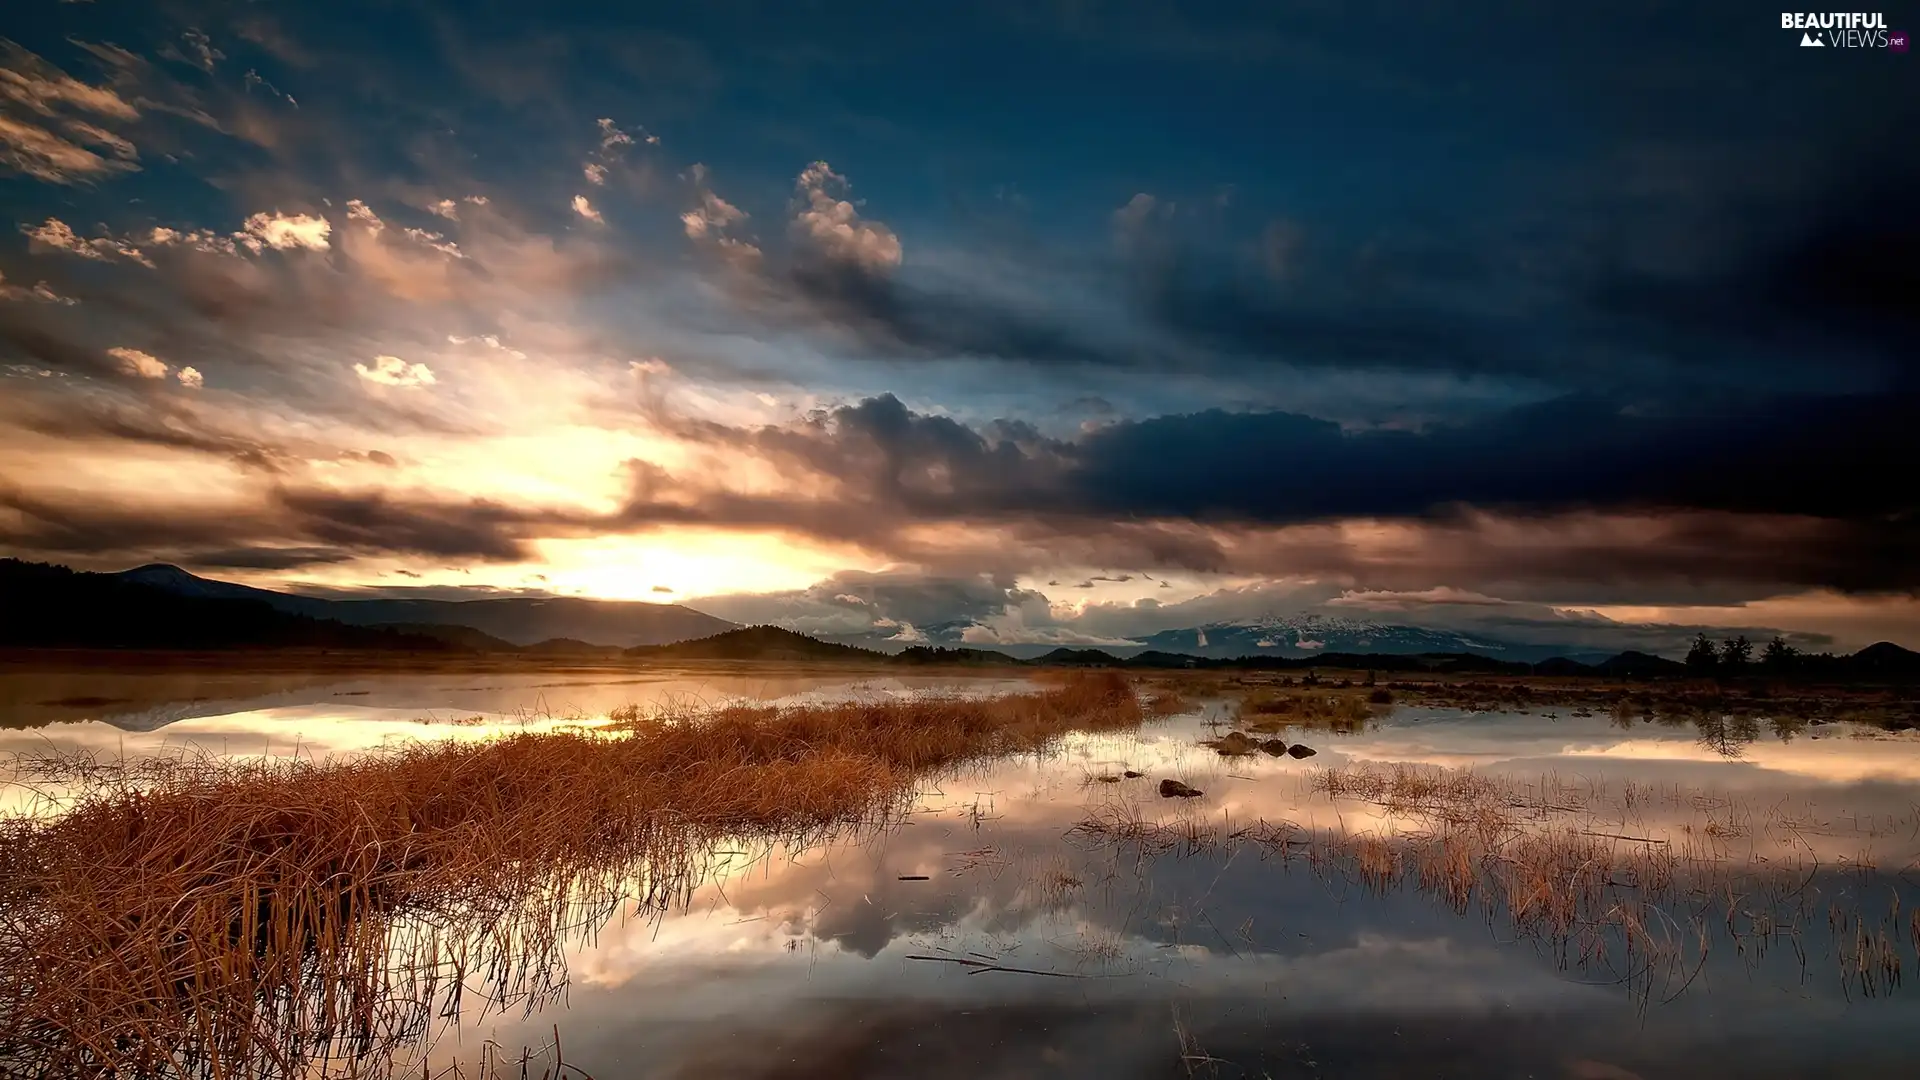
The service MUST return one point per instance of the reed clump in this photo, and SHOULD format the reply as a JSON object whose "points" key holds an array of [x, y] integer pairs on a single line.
{"points": [[1268, 709], [246, 918]]}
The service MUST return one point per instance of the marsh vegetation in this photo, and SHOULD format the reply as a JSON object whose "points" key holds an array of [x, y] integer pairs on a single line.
{"points": [[197, 915]]}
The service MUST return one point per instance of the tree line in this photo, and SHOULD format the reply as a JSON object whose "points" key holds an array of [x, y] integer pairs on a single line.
{"points": [[1734, 655]]}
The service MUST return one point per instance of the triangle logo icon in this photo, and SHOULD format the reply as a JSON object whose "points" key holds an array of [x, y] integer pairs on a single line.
{"points": [[1809, 41]]}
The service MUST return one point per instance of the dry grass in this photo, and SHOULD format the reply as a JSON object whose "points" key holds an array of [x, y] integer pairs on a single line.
{"points": [[1675, 702], [1269, 709], [225, 919], [1169, 701]]}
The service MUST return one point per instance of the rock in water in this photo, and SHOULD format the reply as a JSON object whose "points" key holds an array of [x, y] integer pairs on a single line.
{"points": [[1274, 747], [1300, 751], [1174, 789], [1233, 744]]}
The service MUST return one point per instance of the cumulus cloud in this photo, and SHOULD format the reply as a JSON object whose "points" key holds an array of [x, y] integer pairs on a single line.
{"points": [[191, 378], [436, 241], [585, 209], [202, 240], [709, 218], [611, 135], [56, 235], [833, 225], [393, 371], [284, 232], [360, 213], [445, 208], [711, 215], [613, 145], [140, 364]]}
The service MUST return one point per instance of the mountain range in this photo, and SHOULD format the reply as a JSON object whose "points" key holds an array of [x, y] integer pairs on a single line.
{"points": [[1303, 636], [519, 621], [164, 607]]}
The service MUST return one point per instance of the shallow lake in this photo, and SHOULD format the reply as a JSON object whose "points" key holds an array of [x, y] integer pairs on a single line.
{"points": [[1051, 916]]}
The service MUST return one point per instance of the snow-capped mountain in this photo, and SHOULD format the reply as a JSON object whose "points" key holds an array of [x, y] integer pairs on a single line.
{"points": [[1308, 635]]}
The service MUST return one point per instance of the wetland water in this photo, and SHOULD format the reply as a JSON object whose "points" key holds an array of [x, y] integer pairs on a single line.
{"points": [[1597, 900]]}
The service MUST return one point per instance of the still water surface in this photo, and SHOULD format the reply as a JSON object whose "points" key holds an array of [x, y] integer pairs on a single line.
{"points": [[993, 935]]}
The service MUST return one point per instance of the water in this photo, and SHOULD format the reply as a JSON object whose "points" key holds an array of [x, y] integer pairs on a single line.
{"points": [[1029, 919], [273, 712]]}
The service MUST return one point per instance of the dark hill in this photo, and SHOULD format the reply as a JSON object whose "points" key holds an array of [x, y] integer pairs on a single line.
{"points": [[926, 654], [757, 643], [571, 647], [464, 637], [1885, 658], [519, 620], [1064, 657], [43, 606], [1639, 665]]}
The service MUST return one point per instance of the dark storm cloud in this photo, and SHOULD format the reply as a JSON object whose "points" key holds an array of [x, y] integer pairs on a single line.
{"points": [[1769, 456], [76, 527], [268, 558], [283, 527], [1712, 474], [1775, 456], [376, 522], [155, 416], [27, 338], [895, 317], [1613, 294], [1831, 273]]}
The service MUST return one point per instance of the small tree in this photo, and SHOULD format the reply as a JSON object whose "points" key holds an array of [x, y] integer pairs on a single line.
{"points": [[1736, 653], [1779, 656], [1703, 657]]}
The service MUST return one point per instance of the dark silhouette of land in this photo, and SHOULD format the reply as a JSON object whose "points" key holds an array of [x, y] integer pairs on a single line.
{"points": [[44, 606], [511, 621], [162, 608]]}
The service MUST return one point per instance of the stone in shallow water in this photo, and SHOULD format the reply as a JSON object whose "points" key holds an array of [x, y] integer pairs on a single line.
{"points": [[1299, 751], [1274, 747], [1233, 744], [1174, 789]]}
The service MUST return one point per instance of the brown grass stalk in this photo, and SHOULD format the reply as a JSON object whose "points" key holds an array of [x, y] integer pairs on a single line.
{"points": [[229, 918]]}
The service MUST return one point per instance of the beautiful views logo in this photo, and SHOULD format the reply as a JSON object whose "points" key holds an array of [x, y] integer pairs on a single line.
{"points": [[1844, 30]]}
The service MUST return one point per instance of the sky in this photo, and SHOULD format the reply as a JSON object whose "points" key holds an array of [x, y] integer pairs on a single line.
{"points": [[1000, 322]]}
